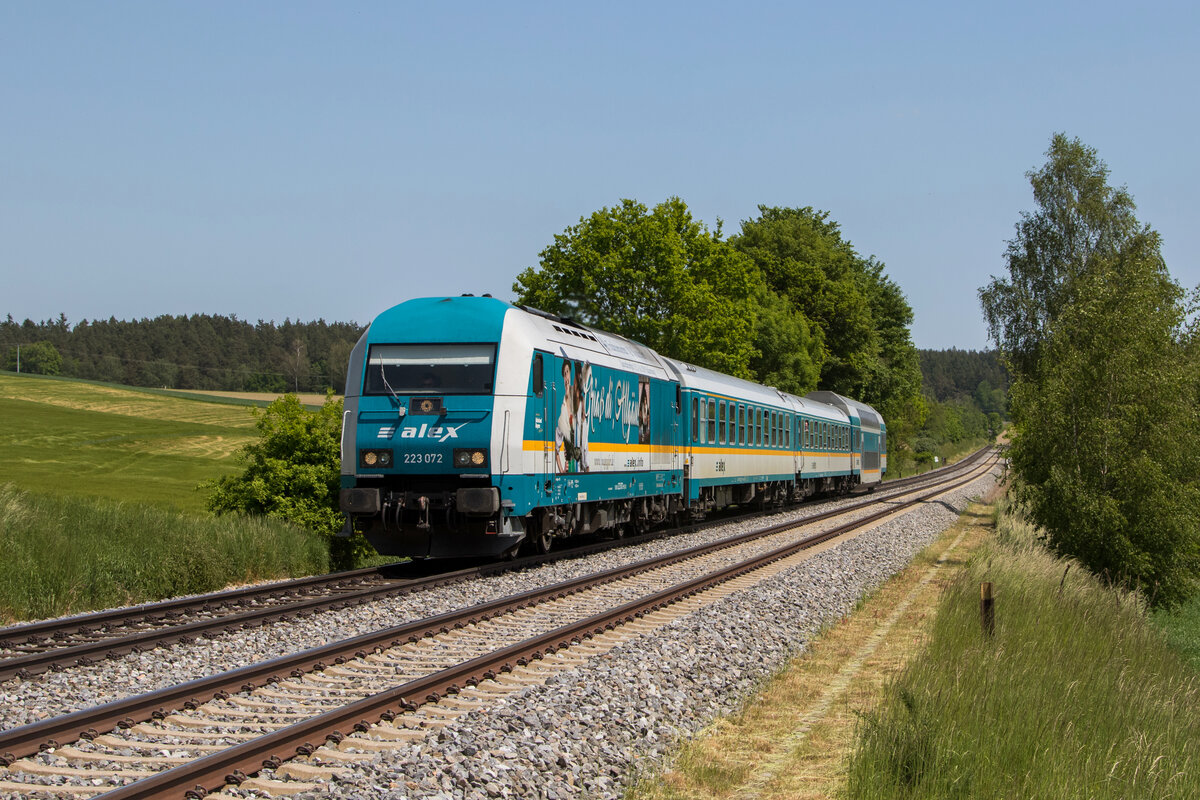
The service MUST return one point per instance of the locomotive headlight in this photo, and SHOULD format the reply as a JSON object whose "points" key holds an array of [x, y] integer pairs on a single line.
{"points": [[470, 458], [375, 458]]}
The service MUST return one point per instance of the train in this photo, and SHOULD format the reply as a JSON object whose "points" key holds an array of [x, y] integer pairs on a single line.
{"points": [[476, 427]]}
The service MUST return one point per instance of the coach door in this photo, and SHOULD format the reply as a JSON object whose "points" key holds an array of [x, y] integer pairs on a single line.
{"points": [[543, 402], [676, 425]]}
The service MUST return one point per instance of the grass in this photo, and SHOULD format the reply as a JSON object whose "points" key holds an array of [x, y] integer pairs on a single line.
{"points": [[788, 742], [1182, 629], [99, 503], [93, 440], [67, 554], [1077, 695]]}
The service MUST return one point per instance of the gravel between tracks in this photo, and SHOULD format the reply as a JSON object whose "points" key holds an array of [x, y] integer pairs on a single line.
{"points": [[588, 731]]}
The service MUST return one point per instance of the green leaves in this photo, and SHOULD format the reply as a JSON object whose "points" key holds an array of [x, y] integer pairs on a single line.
{"points": [[658, 277], [292, 471], [1107, 445]]}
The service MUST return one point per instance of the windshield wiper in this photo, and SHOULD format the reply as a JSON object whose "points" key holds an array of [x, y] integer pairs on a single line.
{"points": [[383, 375]]}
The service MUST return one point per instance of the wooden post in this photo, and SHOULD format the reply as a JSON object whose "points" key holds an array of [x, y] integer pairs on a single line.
{"points": [[987, 611]]}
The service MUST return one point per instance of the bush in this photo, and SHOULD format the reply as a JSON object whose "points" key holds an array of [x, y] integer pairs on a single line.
{"points": [[293, 472]]}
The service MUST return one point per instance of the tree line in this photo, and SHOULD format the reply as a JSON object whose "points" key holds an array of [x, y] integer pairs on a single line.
{"points": [[200, 351]]}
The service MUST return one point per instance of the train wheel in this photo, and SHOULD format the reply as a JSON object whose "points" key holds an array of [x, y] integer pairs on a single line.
{"points": [[537, 539]]}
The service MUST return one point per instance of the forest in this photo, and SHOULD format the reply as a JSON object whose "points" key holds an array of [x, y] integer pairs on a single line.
{"points": [[200, 351]]}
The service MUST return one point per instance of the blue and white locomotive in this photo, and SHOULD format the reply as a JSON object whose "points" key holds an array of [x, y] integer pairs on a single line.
{"points": [[473, 427]]}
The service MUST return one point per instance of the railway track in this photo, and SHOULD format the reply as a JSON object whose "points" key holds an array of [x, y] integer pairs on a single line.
{"points": [[340, 701], [30, 649]]}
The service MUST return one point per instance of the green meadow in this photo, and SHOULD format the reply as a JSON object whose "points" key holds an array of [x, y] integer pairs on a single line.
{"points": [[64, 437], [99, 504]]}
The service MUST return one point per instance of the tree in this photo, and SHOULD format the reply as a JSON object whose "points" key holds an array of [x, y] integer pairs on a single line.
{"points": [[858, 317], [293, 472], [1107, 442], [1080, 218], [39, 358], [658, 277]]}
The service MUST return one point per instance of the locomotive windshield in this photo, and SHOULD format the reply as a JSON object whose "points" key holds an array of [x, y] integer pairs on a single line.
{"points": [[430, 369]]}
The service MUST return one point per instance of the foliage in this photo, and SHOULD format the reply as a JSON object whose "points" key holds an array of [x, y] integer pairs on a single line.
{"points": [[859, 317], [1107, 443], [65, 554], [39, 358], [292, 472], [196, 352], [955, 374], [1075, 695], [787, 302], [658, 277], [1080, 219]]}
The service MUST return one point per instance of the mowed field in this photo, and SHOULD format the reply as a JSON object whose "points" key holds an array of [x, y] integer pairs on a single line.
{"points": [[84, 439]]}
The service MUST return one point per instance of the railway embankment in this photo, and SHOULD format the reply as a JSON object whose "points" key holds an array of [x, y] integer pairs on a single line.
{"points": [[1076, 693]]}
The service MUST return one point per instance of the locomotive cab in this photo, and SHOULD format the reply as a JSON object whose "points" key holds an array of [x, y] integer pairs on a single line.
{"points": [[417, 449]]}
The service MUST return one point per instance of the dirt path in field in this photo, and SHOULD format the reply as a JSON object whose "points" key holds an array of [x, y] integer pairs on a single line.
{"points": [[307, 398], [793, 740]]}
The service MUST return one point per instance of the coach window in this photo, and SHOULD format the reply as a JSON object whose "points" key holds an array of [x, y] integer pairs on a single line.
{"points": [[732, 422], [703, 420], [758, 427], [695, 420], [741, 424], [787, 435], [722, 425], [712, 420]]}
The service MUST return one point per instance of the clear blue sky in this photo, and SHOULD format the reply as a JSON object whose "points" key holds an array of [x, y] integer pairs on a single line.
{"points": [[329, 160]]}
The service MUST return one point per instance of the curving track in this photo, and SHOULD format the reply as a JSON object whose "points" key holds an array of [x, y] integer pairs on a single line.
{"points": [[233, 724], [30, 649]]}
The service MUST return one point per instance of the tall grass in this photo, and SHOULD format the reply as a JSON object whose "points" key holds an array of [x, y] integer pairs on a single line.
{"points": [[1076, 695], [66, 554]]}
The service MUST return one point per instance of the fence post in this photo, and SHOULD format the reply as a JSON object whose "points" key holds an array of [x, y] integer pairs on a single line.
{"points": [[987, 610]]}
